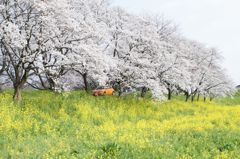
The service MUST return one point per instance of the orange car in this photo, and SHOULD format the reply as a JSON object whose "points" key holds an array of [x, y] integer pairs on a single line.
{"points": [[101, 91]]}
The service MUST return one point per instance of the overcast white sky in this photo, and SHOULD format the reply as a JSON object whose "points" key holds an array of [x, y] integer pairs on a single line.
{"points": [[213, 22]]}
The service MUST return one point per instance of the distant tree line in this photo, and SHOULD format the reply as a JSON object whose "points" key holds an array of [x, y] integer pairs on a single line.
{"points": [[59, 45]]}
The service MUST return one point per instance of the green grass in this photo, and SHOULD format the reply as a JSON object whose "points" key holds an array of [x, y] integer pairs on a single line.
{"points": [[77, 125], [229, 100]]}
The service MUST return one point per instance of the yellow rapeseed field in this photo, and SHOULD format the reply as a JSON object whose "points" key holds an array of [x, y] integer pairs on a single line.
{"points": [[76, 125]]}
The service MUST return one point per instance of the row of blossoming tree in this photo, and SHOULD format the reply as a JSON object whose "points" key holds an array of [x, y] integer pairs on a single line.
{"points": [[59, 44]]}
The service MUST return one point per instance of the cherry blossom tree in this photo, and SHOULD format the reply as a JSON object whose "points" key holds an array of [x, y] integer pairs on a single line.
{"points": [[52, 44], [28, 31], [19, 40]]}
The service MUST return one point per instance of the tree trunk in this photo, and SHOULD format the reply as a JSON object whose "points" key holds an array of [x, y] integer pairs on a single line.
{"points": [[187, 97], [205, 98], [119, 88], [18, 86], [119, 93], [198, 97], [193, 97], [169, 94], [17, 94], [85, 82], [143, 92], [52, 85]]}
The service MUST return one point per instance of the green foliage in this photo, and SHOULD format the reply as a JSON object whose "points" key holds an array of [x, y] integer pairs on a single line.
{"points": [[77, 125]]}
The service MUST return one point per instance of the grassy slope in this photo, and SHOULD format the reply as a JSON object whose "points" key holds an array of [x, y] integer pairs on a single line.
{"points": [[231, 101], [75, 125]]}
